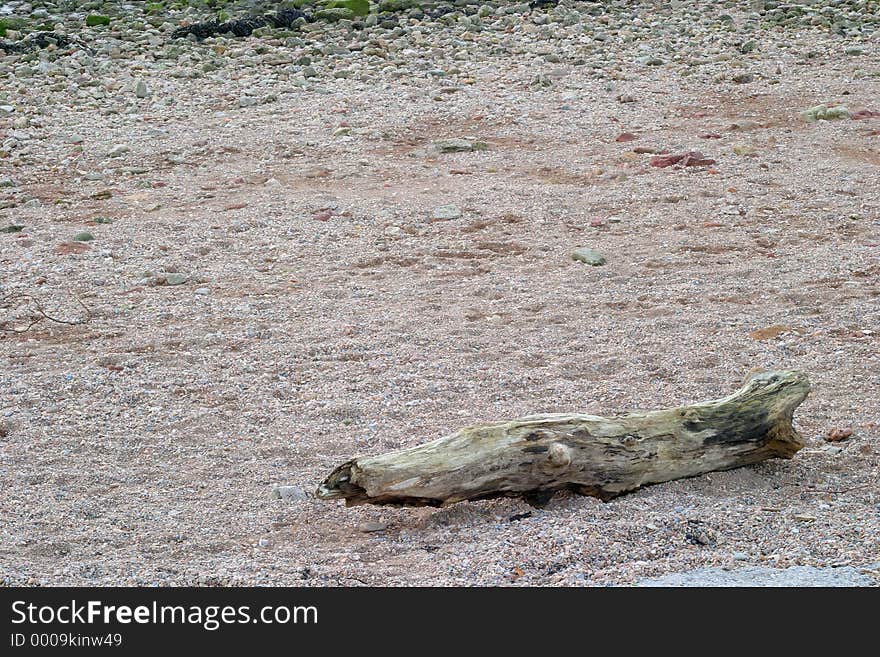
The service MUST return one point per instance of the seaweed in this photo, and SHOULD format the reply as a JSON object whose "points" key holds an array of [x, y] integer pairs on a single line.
{"points": [[35, 41], [242, 27]]}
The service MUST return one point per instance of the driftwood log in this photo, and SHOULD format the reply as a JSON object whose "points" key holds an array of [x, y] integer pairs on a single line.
{"points": [[535, 456]]}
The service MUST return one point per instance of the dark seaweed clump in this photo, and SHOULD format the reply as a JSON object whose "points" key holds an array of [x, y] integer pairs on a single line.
{"points": [[35, 42], [242, 27]]}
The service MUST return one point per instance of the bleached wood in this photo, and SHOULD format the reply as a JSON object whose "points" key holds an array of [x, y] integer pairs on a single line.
{"points": [[534, 456]]}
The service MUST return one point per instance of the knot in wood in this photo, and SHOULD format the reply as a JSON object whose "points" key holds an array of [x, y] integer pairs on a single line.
{"points": [[559, 455]]}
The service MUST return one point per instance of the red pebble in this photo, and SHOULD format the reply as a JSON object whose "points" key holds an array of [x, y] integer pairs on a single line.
{"points": [[836, 435], [865, 114], [689, 159], [662, 161]]}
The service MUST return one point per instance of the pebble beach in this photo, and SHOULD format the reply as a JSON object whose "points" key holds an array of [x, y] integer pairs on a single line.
{"points": [[228, 265]]}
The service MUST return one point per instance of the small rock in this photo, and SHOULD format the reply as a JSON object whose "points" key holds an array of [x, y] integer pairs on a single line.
{"points": [[202, 291], [263, 543], [445, 213], [458, 145], [825, 113], [865, 114], [743, 149], [625, 137], [75, 139], [743, 78], [836, 435], [740, 556], [541, 80], [118, 150], [369, 527], [744, 124], [290, 493], [699, 535], [176, 279], [588, 256], [247, 101], [140, 89], [689, 159]]}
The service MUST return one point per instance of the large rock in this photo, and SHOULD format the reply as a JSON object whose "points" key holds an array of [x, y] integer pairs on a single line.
{"points": [[764, 577]]}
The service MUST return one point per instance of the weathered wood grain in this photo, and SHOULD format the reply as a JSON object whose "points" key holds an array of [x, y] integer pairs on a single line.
{"points": [[534, 456]]}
